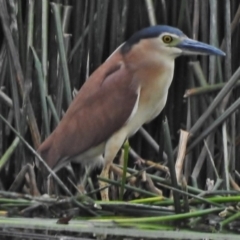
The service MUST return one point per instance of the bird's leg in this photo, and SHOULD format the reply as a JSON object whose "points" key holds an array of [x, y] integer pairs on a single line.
{"points": [[102, 185], [111, 149]]}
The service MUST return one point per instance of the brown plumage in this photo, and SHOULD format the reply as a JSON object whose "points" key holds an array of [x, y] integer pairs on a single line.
{"points": [[89, 119]]}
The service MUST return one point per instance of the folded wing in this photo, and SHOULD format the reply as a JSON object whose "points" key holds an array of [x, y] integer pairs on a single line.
{"points": [[102, 106]]}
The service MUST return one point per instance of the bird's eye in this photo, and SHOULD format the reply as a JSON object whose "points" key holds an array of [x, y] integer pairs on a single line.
{"points": [[167, 38]]}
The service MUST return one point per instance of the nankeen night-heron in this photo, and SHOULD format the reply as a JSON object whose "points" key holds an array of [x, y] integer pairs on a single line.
{"points": [[129, 89]]}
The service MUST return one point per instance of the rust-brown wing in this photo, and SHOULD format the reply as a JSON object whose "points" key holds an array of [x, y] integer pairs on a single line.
{"points": [[101, 107]]}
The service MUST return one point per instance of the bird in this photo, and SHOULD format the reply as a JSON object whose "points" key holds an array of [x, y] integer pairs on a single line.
{"points": [[128, 90]]}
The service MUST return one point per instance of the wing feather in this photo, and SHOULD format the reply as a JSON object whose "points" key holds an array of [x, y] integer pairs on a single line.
{"points": [[101, 107]]}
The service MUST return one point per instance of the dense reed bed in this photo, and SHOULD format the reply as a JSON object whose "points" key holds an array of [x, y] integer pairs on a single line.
{"points": [[180, 171]]}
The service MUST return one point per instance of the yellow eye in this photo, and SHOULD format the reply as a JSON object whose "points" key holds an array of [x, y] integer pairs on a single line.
{"points": [[167, 38]]}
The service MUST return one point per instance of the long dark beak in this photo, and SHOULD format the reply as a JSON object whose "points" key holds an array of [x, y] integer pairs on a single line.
{"points": [[192, 47]]}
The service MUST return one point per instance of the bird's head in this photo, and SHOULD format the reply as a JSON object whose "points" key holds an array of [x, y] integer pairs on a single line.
{"points": [[170, 41]]}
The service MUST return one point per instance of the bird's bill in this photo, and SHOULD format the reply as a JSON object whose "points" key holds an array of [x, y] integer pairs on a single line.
{"points": [[191, 47]]}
